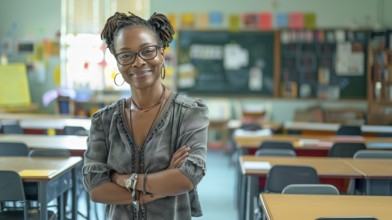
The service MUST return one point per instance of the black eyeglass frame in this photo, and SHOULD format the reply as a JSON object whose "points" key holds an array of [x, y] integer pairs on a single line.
{"points": [[157, 47]]}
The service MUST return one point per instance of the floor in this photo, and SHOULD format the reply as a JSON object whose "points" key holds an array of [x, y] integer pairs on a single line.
{"points": [[216, 190]]}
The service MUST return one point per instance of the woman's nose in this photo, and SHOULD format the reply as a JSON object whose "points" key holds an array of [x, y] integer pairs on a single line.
{"points": [[138, 61]]}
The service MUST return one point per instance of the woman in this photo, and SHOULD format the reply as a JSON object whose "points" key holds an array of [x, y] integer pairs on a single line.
{"points": [[147, 153]]}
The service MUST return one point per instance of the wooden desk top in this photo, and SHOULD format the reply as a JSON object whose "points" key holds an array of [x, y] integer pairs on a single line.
{"points": [[19, 116], [310, 207], [38, 169], [68, 142], [372, 168], [325, 166], [299, 141], [333, 127], [54, 123]]}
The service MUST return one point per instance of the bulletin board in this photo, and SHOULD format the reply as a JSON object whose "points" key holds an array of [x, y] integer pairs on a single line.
{"points": [[330, 64], [14, 87], [224, 62]]}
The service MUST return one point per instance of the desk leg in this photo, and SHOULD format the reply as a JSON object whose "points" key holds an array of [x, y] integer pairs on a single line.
{"points": [[251, 192], [61, 206], [74, 200], [243, 196], [42, 200]]}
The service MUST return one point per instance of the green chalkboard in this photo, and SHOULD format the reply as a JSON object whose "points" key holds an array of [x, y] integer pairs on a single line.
{"points": [[225, 63]]}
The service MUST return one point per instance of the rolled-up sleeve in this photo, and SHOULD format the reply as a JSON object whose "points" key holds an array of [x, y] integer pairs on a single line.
{"points": [[194, 133], [95, 170]]}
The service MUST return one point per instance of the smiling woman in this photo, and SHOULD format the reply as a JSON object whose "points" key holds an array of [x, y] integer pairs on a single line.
{"points": [[146, 153]]}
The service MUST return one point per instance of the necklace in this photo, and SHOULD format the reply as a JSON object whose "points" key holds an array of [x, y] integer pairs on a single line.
{"points": [[134, 106], [155, 117]]}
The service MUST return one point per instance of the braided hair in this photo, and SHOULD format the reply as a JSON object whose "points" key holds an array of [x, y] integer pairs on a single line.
{"points": [[158, 24]]}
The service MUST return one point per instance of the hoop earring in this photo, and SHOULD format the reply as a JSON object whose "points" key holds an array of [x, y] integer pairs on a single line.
{"points": [[163, 73], [115, 82]]}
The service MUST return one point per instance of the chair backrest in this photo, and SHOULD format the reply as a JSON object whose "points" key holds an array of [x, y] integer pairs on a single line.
{"points": [[49, 153], [276, 145], [75, 130], [349, 130], [11, 186], [380, 154], [279, 176], [323, 189], [13, 128], [13, 149], [275, 152], [346, 218], [345, 149]]}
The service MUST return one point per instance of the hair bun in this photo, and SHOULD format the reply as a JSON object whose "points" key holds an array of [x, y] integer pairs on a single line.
{"points": [[163, 28]]}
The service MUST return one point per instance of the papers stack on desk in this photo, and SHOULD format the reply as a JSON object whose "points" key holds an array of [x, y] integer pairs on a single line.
{"points": [[260, 132], [256, 165]]}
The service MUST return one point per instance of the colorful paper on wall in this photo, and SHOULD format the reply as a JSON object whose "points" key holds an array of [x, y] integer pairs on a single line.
{"points": [[250, 20], [310, 20], [234, 22], [216, 19], [296, 20], [281, 20], [265, 21], [203, 21], [14, 87], [188, 20], [173, 20]]}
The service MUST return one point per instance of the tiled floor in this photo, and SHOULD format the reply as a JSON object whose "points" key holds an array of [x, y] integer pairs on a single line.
{"points": [[216, 191]]}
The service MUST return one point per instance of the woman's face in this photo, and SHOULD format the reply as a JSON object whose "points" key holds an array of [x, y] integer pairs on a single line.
{"points": [[131, 44]]}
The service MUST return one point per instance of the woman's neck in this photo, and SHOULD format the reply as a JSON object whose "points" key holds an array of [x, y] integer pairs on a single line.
{"points": [[144, 100]]}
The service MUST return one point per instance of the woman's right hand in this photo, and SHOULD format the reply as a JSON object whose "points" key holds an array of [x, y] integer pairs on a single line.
{"points": [[179, 157]]}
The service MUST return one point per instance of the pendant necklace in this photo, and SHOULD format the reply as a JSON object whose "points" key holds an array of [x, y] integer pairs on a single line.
{"points": [[134, 106]]}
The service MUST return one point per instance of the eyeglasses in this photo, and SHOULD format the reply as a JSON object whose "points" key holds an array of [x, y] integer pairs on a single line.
{"points": [[146, 53]]}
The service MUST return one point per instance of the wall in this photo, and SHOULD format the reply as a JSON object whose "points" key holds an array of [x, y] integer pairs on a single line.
{"points": [[41, 19], [330, 13], [32, 21]]}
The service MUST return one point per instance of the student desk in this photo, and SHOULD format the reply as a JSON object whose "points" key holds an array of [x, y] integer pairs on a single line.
{"points": [[75, 144], [312, 128], [374, 169], [42, 125], [325, 166], [52, 176], [311, 145], [310, 207]]}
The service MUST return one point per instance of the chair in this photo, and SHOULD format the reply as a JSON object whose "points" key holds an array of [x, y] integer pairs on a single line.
{"points": [[266, 152], [12, 128], [11, 189], [279, 176], [75, 130], [13, 149], [322, 189], [345, 149], [349, 130], [49, 153], [276, 145], [376, 187], [346, 218], [275, 152]]}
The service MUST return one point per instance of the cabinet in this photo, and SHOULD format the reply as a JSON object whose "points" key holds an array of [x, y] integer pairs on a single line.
{"points": [[380, 79]]}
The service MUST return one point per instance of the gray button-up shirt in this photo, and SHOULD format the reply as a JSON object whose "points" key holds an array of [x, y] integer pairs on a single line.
{"points": [[182, 121]]}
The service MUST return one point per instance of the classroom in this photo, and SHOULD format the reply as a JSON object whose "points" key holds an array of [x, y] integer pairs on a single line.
{"points": [[303, 86]]}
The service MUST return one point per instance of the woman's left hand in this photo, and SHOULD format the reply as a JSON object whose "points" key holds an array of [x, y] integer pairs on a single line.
{"points": [[179, 157]]}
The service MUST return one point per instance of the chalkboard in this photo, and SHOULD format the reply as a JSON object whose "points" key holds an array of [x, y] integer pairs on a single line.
{"points": [[309, 67], [224, 63]]}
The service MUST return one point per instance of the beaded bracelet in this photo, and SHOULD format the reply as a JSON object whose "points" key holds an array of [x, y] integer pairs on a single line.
{"points": [[144, 183]]}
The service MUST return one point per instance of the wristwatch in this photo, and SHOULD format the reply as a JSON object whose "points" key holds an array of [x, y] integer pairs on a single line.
{"points": [[130, 183]]}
